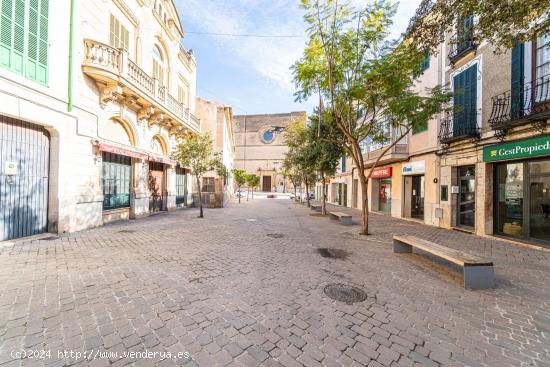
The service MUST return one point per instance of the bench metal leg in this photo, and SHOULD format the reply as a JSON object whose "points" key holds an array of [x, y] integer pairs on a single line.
{"points": [[333, 217], [479, 277], [400, 247], [318, 209], [346, 221]]}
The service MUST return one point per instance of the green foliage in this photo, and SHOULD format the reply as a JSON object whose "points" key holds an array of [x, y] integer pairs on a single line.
{"points": [[240, 176], [500, 22], [252, 180], [197, 152]]}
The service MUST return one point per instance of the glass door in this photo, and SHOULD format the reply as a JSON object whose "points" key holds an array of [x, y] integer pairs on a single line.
{"points": [[417, 200], [467, 197], [539, 200], [384, 200], [510, 199]]}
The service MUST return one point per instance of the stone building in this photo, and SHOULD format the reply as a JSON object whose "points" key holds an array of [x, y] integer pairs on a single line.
{"points": [[261, 148], [217, 119], [87, 128], [484, 168]]}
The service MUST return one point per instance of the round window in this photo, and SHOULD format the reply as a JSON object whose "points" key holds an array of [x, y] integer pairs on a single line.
{"points": [[268, 136]]}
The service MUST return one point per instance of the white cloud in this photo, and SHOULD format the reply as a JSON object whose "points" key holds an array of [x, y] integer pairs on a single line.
{"points": [[271, 58]]}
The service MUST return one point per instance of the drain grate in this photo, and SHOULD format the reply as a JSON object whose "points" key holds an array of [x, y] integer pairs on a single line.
{"points": [[275, 235], [345, 293], [333, 253], [127, 231]]}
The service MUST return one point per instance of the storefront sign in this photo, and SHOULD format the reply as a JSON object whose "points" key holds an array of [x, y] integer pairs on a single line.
{"points": [[414, 168], [382, 172], [518, 149]]}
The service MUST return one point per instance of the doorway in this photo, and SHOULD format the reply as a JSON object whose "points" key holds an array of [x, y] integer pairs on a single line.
{"points": [[266, 183], [417, 197], [156, 187], [467, 197]]}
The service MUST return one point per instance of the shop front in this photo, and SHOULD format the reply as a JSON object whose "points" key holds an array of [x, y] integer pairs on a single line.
{"points": [[382, 188], [414, 184], [522, 188]]}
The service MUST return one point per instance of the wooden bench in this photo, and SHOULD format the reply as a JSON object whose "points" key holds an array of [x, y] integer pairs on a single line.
{"points": [[478, 273], [344, 218], [315, 207]]}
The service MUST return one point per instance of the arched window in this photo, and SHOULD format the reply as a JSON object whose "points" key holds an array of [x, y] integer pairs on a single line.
{"points": [[159, 65]]}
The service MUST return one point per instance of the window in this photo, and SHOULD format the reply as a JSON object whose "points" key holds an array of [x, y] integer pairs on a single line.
{"points": [[425, 63], [182, 95], [208, 184], [180, 186], [465, 102], [158, 65], [343, 164], [116, 178], [418, 128], [24, 38], [119, 37], [542, 67], [268, 136]]}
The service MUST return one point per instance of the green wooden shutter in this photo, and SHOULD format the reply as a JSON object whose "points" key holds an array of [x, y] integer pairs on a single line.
{"points": [[458, 103], [24, 38], [516, 98], [471, 98]]}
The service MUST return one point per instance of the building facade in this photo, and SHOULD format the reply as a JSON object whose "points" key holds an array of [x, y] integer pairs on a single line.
{"points": [[217, 120], [88, 121], [261, 148], [484, 167]]}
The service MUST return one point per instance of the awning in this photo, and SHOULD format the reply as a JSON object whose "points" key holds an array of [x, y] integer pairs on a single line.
{"points": [[156, 158], [122, 151]]}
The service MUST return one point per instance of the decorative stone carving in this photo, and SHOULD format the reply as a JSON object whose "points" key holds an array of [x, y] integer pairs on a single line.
{"points": [[144, 114], [156, 118], [109, 93], [131, 101]]}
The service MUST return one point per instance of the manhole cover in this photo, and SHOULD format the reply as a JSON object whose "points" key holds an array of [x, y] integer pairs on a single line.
{"points": [[345, 293], [50, 238], [333, 253], [275, 235], [127, 231]]}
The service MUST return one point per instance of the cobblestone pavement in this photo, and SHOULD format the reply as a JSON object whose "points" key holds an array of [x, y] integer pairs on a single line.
{"points": [[229, 291]]}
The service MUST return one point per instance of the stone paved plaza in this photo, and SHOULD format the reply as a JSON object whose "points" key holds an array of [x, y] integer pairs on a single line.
{"points": [[229, 290]]}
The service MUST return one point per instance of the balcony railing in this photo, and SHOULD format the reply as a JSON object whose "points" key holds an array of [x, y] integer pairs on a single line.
{"points": [[529, 102], [460, 44], [458, 126], [112, 66]]}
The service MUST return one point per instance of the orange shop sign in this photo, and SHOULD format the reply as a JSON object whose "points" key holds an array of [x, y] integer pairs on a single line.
{"points": [[382, 172]]}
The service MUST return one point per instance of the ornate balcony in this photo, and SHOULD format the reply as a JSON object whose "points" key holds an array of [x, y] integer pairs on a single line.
{"points": [[120, 79], [458, 126], [461, 44], [530, 103]]}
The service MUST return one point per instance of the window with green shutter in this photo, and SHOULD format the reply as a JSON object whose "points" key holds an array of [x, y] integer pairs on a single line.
{"points": [[180, 185], [119, 37], [24, 38], [116, 179], [465, 102], [518, 70]]}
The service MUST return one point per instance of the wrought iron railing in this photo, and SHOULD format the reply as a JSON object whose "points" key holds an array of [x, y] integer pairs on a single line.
{"points": [[518, 105], [116, 61], [461, 42], [457, 126]]}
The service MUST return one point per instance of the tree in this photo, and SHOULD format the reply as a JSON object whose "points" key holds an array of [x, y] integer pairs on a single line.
{"points": [[252, 181], [240, 176], [197, 152], [366, 79], [325, 142], [502, 23]]}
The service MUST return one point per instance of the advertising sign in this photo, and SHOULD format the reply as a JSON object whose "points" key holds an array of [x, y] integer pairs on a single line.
{"points": [[382, 172], [518, 149], [414, 168]]}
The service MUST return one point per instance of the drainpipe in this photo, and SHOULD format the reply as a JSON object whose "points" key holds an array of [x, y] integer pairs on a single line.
{"points": [[71, 36]]}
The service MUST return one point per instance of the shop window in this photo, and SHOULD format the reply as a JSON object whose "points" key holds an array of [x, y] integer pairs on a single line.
{"points": [[116, 179], [208, 184], [180, 185]]}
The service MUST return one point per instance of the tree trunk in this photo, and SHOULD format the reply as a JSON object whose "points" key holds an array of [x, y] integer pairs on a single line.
{"points": [[307, 193], [323, 196], [247, 193], [252, 193], [200, 197], [365, 207], [239, 194]]}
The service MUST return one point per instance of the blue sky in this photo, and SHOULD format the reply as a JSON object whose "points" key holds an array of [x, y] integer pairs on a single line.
{"points": [[252, 74]]}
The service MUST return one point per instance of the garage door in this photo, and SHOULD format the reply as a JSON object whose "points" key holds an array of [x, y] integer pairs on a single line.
{"points": [[24, 168]]}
